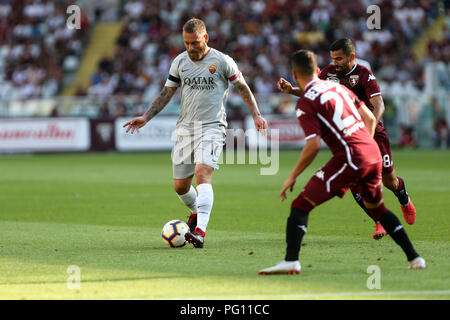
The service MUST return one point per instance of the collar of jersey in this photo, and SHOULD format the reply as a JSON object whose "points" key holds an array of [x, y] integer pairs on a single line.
{"points": [[310, 83], [353, 69]]}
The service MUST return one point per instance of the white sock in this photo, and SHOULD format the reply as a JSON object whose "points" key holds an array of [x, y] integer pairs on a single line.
{"points": [[190, 199], [205, 201]]}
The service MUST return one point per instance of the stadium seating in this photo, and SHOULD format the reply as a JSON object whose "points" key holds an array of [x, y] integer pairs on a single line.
{"points": [[260, 35], [37, 50], [41, 58]]}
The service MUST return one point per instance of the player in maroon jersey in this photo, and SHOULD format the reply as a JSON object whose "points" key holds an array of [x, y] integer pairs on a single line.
{"points": [[329, 111], [363, 83]]}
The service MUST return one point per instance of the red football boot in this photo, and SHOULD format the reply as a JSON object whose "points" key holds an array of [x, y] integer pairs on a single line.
{"points": [[192, 222], [409, 212], [197, 238], [379, 232]]}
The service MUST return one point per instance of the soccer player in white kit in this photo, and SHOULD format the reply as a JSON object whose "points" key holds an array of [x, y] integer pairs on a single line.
{"points": [[203, 73]]}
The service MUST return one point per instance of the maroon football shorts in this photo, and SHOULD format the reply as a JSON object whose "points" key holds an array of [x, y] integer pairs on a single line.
{"points": [[382, 140], [336, 177]]}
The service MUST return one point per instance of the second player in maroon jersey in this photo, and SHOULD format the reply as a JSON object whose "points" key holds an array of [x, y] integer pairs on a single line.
{"points": [[359, 80]]}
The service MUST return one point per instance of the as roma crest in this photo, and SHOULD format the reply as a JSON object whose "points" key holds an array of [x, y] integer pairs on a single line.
{"points": [[354, 80], [212, 69]]}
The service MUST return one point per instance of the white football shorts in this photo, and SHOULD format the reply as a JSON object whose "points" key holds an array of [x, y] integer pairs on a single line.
{"points": [[190, 149]]}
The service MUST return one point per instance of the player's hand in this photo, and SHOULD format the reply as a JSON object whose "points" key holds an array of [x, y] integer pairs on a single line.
{"points": [[260, 124], [284, 86], [135, 124], [288, 184]]}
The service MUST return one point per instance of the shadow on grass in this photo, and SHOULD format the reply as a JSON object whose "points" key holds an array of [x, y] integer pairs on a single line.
{"points": [[93, 280]]}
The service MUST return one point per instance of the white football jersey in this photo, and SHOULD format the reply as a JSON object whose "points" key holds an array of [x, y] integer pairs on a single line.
{"points": [[204, 88]]}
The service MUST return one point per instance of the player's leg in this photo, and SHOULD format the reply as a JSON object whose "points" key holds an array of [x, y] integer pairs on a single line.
{"points": [[207, 151], [379, 230], [397, 186], [395, 229], [371, 192], [318, 190], [391, 180], [205, 200], [327, 182], [188, 195], [296, 228], [183, 169]]}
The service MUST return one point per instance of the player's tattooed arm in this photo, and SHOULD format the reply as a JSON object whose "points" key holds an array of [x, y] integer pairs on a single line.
{"points": [[378, 107], [247, 95], [160, 102], [249, 100]]}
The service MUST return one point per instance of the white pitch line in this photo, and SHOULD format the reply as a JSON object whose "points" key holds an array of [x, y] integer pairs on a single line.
{"points": [[320, 295]]}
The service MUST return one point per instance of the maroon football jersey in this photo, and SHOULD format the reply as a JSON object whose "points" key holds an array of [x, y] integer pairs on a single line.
{"points": [[360, 80], [330, 110]]}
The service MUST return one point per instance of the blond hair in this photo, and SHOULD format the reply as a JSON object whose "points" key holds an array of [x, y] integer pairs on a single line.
{"points": [[194, 25]]}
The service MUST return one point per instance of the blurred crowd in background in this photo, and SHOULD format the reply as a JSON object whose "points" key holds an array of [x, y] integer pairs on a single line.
{"points": [[37, 50], [261, 35], [36, 47]]}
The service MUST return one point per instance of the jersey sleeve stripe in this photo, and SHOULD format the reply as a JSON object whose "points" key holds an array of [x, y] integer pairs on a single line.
{"points": [[235, 76], [174, 79], [375, 94]]}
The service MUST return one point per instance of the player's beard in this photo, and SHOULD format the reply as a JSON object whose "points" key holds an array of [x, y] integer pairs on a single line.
{"points": [[197, 54], [343, 71]]}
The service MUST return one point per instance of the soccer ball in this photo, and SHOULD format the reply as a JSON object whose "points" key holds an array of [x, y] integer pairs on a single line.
{"points": [[173, 233]]}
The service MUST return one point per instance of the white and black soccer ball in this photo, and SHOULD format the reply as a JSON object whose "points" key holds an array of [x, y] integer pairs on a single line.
{"points": [[173, 233]]}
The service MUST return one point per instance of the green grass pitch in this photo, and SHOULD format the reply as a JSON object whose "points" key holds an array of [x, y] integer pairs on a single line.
{"points": [[104, 213]]}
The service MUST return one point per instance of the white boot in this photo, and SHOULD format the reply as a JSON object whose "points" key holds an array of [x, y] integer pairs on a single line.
{"points": [[283, 267], [417, 263]]}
